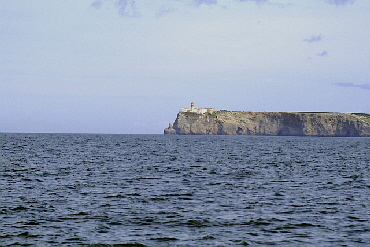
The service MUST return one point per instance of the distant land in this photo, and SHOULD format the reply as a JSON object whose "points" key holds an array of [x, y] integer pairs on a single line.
{"points": [[209, 121]]}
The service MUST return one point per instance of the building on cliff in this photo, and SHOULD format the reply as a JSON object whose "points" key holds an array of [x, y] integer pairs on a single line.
{"points": [[170, 130], [197, 110]]}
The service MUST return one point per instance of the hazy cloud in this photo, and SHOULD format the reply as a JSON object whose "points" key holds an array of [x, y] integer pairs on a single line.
{"points": [[164, 10], [322, 54], [207, 2], [347, 84], [257, 1], [340, 2], [96, 4], [314, 38], [335, 2], [127, 8]]}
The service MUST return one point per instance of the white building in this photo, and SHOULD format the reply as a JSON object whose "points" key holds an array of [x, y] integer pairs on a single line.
{"points": [[197, 110]]}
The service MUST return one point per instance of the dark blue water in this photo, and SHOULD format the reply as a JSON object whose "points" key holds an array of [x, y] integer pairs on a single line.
{"points": [[154, 190]]}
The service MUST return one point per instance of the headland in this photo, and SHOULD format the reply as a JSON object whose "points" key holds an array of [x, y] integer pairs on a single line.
{"points": [[209, 121]]}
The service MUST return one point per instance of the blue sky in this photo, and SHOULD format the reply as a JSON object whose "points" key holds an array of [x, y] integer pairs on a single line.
{"points": [[128, 66]]}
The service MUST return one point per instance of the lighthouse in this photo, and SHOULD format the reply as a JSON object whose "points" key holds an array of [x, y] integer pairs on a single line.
{"points": [[192, 107]]}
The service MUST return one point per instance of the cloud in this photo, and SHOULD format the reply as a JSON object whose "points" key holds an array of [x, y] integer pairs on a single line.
{"points": [[322, 54], [127, 8], [207, 2], [347, 84], [340, 2], [257, 1], [164, 10], [314, 38], [96, 4]]}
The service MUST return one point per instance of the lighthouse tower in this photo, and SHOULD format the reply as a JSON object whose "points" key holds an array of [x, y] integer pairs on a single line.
{"points": [[192, 107]]}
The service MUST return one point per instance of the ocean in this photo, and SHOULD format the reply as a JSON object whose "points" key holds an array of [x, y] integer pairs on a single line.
{"points": [[164, 190]]}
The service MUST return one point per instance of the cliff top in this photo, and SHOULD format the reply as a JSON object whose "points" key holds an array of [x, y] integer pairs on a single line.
{"points": [[363, 116]]}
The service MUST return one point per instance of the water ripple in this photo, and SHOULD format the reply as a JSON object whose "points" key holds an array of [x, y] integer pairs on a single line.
{"points": [[154, 190]]}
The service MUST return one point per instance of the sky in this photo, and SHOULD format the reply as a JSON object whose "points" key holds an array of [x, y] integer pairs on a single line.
{"points": [[128, 66]]}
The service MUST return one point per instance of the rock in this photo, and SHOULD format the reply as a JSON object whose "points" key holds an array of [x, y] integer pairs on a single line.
{"points": [[169, 130], [271, 123]]}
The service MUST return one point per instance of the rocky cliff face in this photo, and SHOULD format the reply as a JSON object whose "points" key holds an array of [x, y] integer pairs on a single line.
{"points": [[271, 123]]}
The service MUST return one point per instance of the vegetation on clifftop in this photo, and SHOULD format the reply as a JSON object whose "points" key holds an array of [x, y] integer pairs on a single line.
{"points": [[364, 116]]}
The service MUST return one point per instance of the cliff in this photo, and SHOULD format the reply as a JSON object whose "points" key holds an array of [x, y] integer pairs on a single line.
{"points": [[271, 123]]}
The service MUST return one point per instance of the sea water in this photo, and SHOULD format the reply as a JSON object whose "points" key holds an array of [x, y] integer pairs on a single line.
{"points": [[155, 190]]}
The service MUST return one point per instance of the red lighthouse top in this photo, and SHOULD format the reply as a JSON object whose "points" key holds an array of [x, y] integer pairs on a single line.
{"points": [[192, 104]]}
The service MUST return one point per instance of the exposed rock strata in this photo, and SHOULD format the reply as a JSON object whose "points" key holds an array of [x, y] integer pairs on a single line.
{"points": [[271, 123]]}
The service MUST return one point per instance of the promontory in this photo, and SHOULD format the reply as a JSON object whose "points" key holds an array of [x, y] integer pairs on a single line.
{"points": [[209, 121]]}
